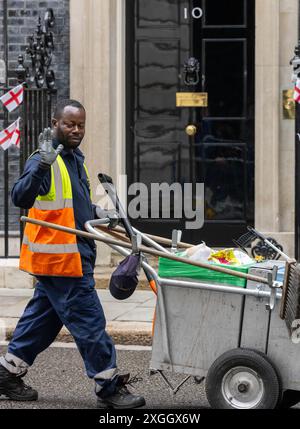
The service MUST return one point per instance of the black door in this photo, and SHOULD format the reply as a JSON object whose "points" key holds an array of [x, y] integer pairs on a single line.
{"points": [[161, 36]]}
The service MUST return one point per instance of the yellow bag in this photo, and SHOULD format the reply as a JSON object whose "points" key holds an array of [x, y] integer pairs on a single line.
{"points": [[224, 256]]}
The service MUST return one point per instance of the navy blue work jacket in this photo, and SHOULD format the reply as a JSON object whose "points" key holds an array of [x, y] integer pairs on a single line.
{"points": [[35, 181]]}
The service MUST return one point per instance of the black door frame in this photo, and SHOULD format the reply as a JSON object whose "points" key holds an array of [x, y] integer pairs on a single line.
{"points": [[297, 163], [230, 225]]}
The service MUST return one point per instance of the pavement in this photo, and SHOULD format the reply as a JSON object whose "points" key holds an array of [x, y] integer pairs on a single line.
{"points": [[128, 322]]}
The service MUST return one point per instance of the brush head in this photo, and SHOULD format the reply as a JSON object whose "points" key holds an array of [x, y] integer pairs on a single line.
{"points": [[290, 301]]}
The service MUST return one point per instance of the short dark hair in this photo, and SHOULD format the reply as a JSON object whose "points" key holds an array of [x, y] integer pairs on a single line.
{"points": [[65, 103]]}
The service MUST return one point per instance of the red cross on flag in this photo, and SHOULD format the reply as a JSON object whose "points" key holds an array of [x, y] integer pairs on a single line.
{"points": [[10, 135], [297, 91], [13, 98], [16, 137]]}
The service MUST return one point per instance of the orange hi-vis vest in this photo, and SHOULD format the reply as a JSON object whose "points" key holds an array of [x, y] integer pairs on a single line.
{"points": [[45, 251]]}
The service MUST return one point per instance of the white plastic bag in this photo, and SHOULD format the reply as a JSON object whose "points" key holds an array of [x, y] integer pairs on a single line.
{"points": [[242, 257], [201, 252]]}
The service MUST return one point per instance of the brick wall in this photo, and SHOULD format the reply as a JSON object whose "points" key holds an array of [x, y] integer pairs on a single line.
{"points": [[22, 23]]}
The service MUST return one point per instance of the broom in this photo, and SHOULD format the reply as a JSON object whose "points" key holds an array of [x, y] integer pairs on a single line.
{"points": [[290, 301]]}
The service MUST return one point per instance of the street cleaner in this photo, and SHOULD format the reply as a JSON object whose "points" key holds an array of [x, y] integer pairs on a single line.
{"points": [[55, 188]]}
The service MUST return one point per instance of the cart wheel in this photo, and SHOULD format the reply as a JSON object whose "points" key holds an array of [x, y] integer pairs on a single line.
{"points": [[242, 379], [281, 393]]}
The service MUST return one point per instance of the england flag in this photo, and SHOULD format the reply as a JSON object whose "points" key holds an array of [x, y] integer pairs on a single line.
{"points": [[13, 98], [297, 91], [11, 135]]}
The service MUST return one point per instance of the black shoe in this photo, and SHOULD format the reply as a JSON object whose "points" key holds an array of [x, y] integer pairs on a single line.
{"points": [[122, 398], [14, 387]]}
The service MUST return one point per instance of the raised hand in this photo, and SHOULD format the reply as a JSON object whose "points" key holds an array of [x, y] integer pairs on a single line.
{"points": [[47, 151]]}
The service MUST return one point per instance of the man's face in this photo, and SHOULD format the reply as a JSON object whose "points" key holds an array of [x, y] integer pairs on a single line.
{"points": [[69, 129]]}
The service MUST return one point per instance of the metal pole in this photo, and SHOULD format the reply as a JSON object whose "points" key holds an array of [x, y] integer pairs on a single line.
{"points": [[6, 173], [297, 183], [298, 20], [5, 40], [142, 249], [297, 179]]}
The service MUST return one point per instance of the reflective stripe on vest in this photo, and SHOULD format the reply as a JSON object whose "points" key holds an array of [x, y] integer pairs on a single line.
{"points": [[50, 248], [60, 193], [46, 251]]}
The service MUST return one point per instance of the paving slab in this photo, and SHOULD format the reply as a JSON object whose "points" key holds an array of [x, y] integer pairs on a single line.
{"points": [[115, 310], [139, 314], [128, 321]]}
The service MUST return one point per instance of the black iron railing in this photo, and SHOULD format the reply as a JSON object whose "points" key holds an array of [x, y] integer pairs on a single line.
{"points": [[35, 113], [35, 68]]}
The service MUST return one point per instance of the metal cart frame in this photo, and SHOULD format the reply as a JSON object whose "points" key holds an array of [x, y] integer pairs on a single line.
{"points": [[197, 323]]}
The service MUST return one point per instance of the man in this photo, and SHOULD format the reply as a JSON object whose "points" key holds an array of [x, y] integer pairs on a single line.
{"points": [[55, 187]]}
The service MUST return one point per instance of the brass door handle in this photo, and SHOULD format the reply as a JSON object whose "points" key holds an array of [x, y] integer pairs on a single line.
{"points": [[191, 130]]}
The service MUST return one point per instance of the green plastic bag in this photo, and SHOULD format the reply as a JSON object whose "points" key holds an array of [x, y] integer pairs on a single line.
{"points": [[173, 269]]}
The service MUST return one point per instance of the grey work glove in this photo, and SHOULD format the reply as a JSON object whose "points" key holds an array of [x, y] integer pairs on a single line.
{"points": [[47, 151], [111, 214]]}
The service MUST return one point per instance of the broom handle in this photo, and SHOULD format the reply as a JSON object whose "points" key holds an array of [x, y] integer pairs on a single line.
{"points": [[157, 238], [111, 232], [143, 249]]}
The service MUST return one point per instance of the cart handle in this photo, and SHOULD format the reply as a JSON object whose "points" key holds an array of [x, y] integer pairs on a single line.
{"points": [[145, 249], [157, 238]]}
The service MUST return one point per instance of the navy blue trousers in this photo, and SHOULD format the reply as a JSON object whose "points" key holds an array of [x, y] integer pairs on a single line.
{"points": [[59, 301]]}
